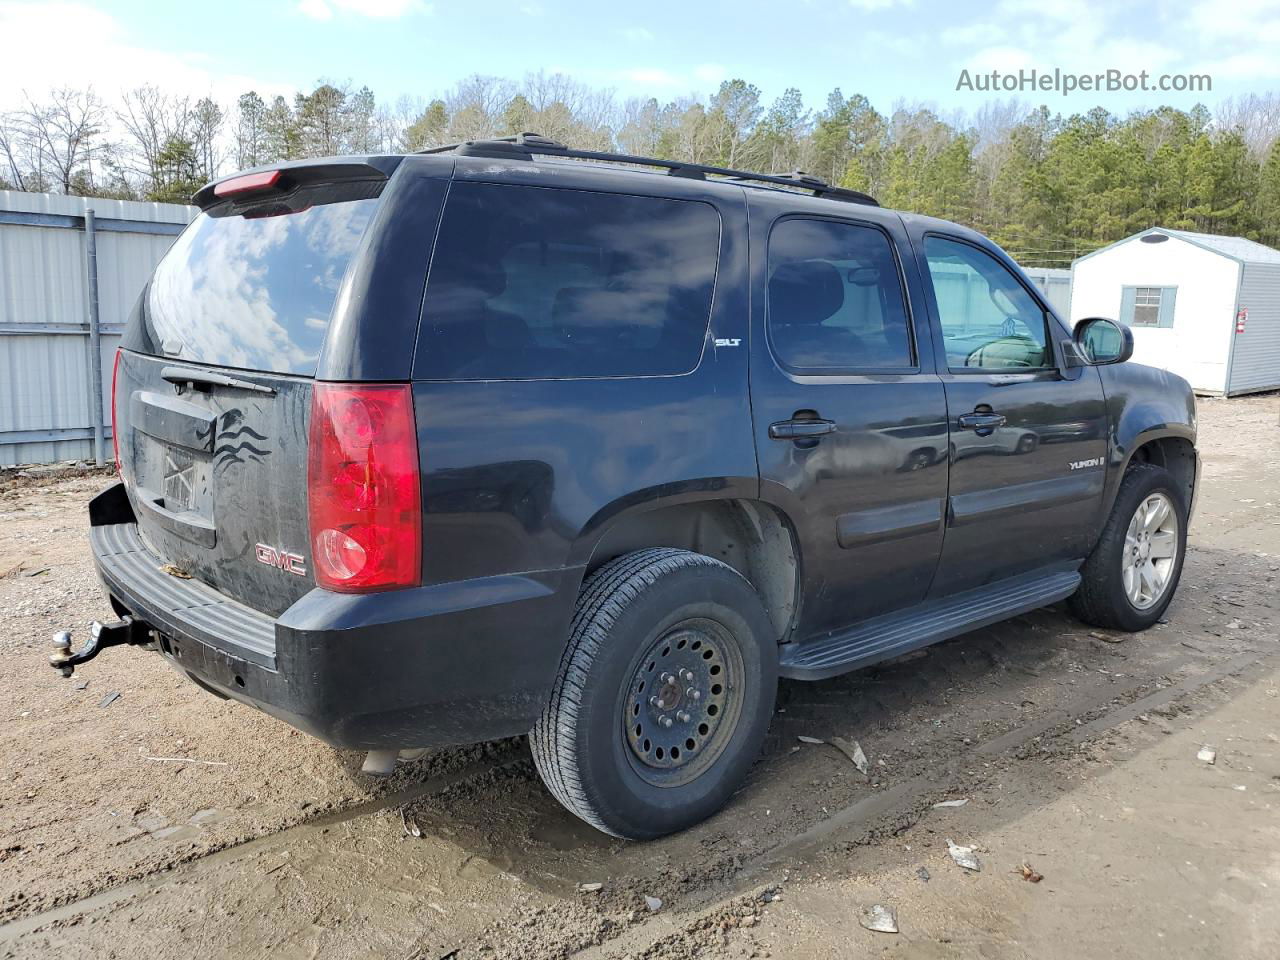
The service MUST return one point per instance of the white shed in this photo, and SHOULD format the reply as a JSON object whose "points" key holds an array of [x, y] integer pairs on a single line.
{"points": [[1204, 307]]}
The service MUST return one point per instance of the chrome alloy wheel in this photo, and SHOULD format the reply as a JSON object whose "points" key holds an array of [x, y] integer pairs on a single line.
{"points": [[1150, 551], [683, 703]]}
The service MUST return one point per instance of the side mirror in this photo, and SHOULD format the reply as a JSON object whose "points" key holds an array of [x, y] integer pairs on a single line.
{"points": [[1098, 342]]}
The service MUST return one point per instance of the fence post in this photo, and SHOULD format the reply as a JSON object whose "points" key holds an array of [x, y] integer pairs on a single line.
{"points": [[95, 339]]}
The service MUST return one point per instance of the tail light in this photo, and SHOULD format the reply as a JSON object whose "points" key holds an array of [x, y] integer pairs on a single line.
{"points": [[115, 432], [363, 488]]}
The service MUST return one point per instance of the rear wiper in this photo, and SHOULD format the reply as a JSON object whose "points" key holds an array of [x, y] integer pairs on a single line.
{"points": [[185, 375]]}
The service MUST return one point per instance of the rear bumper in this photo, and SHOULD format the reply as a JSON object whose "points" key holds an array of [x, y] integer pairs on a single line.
{"points": [[431, 666]]}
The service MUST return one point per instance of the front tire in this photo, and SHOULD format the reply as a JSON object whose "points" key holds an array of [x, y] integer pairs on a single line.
{"points": [[1130, 578], [664, 697]]}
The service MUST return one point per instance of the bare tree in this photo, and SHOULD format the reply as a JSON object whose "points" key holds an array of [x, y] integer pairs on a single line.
{"points": [[396, 121], [640, 127], [1256, 117], [63, 130], [16, 150], [152, 119], [475, 106]]}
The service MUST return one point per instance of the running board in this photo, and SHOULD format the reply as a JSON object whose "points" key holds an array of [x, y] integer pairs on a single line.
{"points": [[893, 634]]}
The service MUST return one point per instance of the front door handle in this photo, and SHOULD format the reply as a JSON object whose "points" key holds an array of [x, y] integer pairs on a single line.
{"points": [[801, 429], [983, 423]]}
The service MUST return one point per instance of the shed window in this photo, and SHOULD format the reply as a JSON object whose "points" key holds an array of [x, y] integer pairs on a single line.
{"points": [[1147, 306]]}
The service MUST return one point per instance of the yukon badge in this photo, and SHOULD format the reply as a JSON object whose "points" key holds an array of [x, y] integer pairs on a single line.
{"points": [[1081, 464], [280, 559]]}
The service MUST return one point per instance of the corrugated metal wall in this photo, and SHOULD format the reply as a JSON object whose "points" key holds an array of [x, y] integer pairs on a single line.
{"points": [[1056, 287], [1255, 354], [45, 392], [955, 286]]}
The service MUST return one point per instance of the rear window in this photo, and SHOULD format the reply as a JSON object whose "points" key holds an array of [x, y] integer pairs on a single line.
{"points": [[256, 291], [537, 282]]}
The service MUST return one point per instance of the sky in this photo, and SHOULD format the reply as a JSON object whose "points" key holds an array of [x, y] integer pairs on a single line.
{"points": [[889, 50]]}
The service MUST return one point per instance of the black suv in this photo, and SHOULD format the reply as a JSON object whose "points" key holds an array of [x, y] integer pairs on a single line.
{"points": [[509, 438]]}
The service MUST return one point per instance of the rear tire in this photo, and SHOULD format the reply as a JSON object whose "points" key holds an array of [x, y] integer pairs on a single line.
{"points": [[1127, 584], [629, 752]]}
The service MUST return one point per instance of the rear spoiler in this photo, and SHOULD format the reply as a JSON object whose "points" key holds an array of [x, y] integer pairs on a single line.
{"points": [[280, 179]]}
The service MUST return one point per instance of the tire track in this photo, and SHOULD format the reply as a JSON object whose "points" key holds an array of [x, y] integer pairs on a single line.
{"points": [[859, 817]]}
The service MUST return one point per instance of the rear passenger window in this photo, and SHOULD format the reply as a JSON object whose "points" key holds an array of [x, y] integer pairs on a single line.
{"points": [[835, 298], [537, 282]]}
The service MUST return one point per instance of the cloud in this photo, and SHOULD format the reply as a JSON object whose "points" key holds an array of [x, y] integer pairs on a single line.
{"points": [[653, 78], [638, 34], [972, 33], [532, 9], [1248, 66], [711, 74], [657, 80], [94, 50], [315, 9], [1248, 20], [375, 9], [1078, 36], [1004, 59], [871, 6]]}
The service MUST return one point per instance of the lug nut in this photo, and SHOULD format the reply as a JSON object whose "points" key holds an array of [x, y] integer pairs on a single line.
{"points": [[664, 721], [694, 693], [682, 717], [665, 678], [686, 675], [655, 702]]}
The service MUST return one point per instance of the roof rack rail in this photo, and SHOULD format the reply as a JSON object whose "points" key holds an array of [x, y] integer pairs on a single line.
{"points": [[525, 146]]}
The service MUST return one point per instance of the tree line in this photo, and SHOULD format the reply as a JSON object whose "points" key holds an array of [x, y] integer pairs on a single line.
{"points": [[1047, 186]]}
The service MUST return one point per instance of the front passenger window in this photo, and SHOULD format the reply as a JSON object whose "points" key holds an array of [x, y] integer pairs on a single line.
{"points": [[988, 319]]}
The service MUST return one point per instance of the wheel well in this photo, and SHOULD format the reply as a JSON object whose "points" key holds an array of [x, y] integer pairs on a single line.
{"points": [[1175, 454], [750, 536]]}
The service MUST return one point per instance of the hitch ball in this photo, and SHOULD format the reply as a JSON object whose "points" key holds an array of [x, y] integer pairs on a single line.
{"points": [[101, 635], [61, 655]]}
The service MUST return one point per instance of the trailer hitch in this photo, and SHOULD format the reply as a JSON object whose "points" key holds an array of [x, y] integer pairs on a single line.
{"points": [[101, 635]]}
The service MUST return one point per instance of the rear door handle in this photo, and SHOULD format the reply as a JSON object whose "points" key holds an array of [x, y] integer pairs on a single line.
{"points": [[801, 429], [982, 422]]}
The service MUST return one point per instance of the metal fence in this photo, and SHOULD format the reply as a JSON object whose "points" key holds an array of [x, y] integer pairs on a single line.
{"points": [[70, 271]]}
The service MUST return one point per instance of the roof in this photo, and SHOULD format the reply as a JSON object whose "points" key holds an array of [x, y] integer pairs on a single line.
{"points": [[1238, 249]]}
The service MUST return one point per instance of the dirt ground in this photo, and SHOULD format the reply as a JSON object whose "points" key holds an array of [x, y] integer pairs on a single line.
{"points": [[162, 822]]}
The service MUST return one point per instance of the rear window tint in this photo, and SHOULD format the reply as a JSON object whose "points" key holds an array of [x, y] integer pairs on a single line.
{"points": [[256, 292], [536, 282]]}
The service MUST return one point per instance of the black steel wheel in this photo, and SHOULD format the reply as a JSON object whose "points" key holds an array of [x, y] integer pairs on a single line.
{"points": [[664, 696], [685, 701]]}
